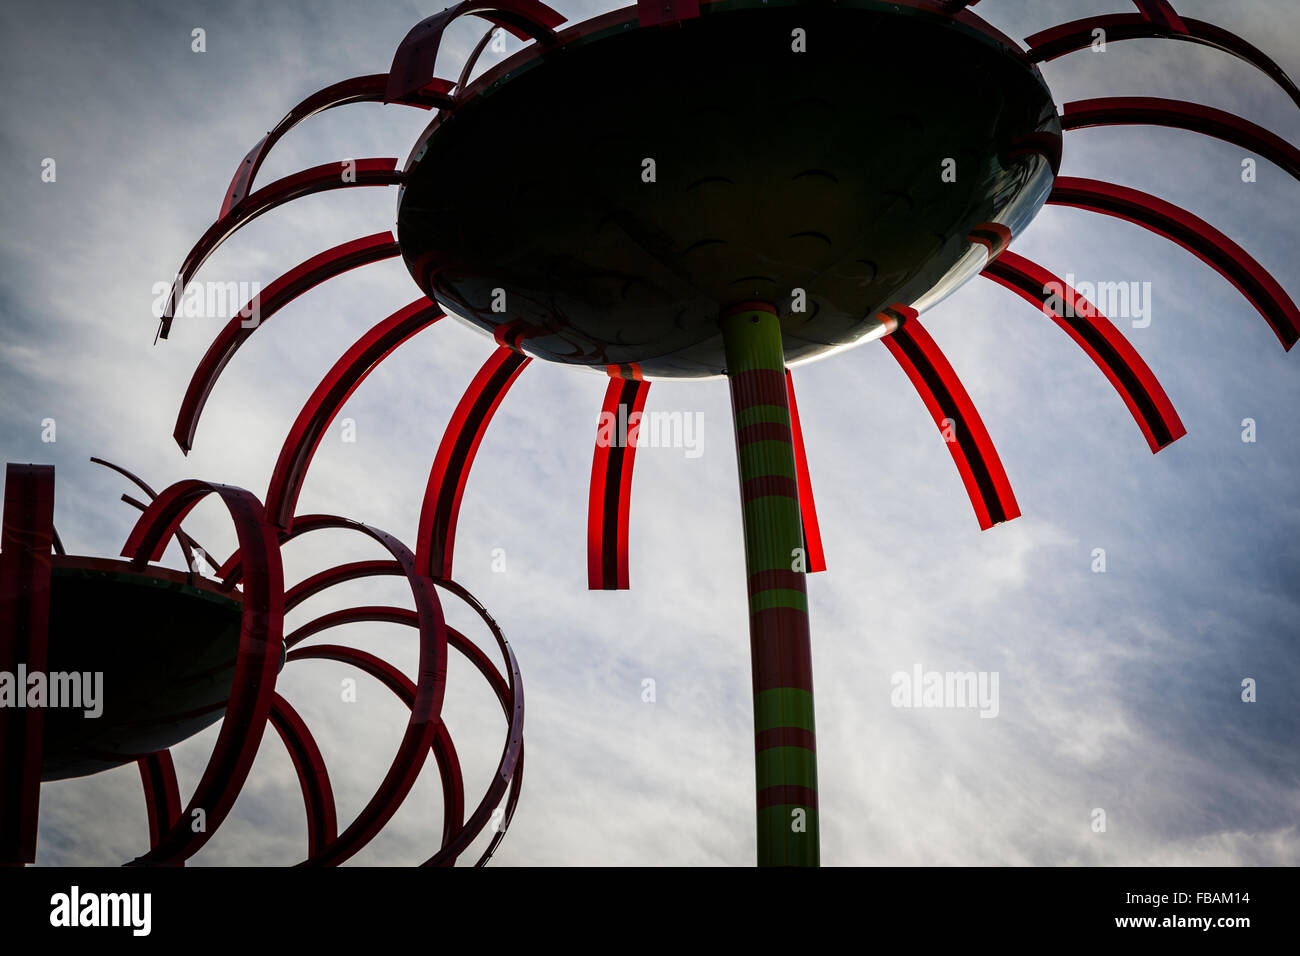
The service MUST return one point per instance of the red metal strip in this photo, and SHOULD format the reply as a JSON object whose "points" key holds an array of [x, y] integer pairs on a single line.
{"points": [[426, 708], [785, 737], [609, 499], [190, 573], [775, 578], [1196, 236], [1049, 145], [763, 486], [462, 81], [510, 695], [256, 665], [945, 397], [511, 766], [417, 55], [232, 570], [26, 543], [511, 760], [1161, 12], [455, 457], [812, 532], [330, 396], [510, 769], [337, 575], [786, 795], [596, 578], [426, 718], [162, 795], [1080, 35], [397, 784], [374, 613], [313, 778], [993, 236], [281, 292], [358, 89], [443, 750], [186, 543], [1177, 114], [1106, 345], [516, 784], [340, 175]]}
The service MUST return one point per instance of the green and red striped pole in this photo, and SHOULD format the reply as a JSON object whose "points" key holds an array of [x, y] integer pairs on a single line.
{"points": [[785, 753]]}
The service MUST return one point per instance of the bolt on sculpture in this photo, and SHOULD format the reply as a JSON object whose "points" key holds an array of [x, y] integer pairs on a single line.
{"points": [[200, 650], [693, 189]]}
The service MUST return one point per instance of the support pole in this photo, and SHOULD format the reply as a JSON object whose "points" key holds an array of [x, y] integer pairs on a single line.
{"points": [[785, 757], [26, 540]]}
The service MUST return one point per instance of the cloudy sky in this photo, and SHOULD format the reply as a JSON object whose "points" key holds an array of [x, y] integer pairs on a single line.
{"points": [[1119, 691]]}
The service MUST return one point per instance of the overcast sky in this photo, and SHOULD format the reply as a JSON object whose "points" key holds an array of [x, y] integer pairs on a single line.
{"points": [[1119, 691]]}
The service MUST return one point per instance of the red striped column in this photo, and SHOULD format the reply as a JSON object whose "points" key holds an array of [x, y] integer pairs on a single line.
{"points": [[26, 540], [785, 753]]}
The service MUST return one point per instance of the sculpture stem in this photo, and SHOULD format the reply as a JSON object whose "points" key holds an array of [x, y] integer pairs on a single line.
{"points": [[785, 756]]}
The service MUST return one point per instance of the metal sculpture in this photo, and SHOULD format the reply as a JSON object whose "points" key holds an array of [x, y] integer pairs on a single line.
{"points": [[202, 650], [644, 229]]}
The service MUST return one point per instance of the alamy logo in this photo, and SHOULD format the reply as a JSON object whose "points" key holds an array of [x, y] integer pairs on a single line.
{"points": [[946, 689], [1115, 300], [75, 908], [73, 689], [652, 430], [210, 300]]}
